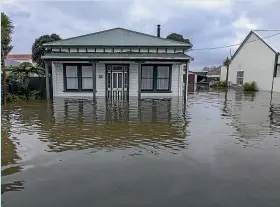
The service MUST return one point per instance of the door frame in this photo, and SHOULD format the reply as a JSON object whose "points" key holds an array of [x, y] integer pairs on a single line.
{"points": [[106, 78]]}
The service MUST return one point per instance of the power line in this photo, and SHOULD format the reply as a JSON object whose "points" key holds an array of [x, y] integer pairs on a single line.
{"points": [[233, 45], [267, 30]]}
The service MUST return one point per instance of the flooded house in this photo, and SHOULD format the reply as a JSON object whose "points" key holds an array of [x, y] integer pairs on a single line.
{"points": [[257, 59], [117, 64]]}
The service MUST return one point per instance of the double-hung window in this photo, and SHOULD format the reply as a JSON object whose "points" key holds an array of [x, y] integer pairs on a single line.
{"points": [[156, 78], [78, 77], [239, 77]]}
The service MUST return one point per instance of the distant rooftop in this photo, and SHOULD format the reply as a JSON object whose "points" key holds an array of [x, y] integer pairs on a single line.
{"points": [[10, 62], [19, 56]]}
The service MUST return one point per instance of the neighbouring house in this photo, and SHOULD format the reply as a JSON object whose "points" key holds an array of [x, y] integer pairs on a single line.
{"points": [[257, 59], [16, 59], [116, 64]]}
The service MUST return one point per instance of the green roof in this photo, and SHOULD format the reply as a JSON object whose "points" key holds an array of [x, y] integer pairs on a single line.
{"points": [[116, 56], [118, 37]]}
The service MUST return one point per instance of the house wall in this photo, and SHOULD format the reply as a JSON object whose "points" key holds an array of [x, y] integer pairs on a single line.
{"points": [[223, 73], [58, 85], [256, 59]]}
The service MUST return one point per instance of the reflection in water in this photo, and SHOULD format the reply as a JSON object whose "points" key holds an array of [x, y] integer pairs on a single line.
{"points": [[196, 144], [14, 186], [81, 125], [252, 115]]}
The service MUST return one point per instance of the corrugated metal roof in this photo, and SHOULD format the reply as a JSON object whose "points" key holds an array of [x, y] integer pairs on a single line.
{"points": [[117, 37], [272, 38], [100, 56], [19, 56]]}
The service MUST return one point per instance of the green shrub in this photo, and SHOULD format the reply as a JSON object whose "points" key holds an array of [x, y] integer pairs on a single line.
{"points": [[34, 95], [250, 86], [11, 97], [219, 84]]}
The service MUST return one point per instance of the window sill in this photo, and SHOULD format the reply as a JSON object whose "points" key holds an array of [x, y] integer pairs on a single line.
{"points": [[156, 91], [80, 91]]}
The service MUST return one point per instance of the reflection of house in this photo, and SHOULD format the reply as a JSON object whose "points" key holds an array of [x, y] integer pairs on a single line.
{"points": [[116, 64], [257, 59], [253, 115], [81, 124]]}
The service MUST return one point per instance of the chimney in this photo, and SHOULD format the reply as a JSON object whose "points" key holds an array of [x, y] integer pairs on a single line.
{"points": [[158, 30]]}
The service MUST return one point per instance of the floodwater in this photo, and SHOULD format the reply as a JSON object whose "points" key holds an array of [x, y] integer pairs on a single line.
{"points": [[218, 149]]}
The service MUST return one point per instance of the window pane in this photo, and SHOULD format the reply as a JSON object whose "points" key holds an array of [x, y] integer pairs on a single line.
{"points": [[147, 71], [87, 83], [109, 80], [240, 74], [163, 72], [71, 71], [119, 80], [72, 83], [117, 67], [114, 80], [125, 79], [163, 84], [147, 84], [240, 81], [87, 71]]}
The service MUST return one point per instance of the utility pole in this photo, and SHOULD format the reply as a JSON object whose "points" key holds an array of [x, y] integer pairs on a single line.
{"points": [[226, 63]]}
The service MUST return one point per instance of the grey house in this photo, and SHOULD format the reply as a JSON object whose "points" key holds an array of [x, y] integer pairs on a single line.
{"points": [[116, 64]]}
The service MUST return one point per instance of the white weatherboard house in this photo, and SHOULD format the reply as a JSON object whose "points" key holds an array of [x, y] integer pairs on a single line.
{"points": [[257, 59], [116, 64]]}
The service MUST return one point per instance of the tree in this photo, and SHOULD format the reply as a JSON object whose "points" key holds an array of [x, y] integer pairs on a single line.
{"points": [[21, 75], [38, 50], [7, 29], [226, 63], [178, 37]]}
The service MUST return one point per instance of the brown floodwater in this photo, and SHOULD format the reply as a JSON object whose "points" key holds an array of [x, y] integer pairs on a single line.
{"points": [[217, 149]]}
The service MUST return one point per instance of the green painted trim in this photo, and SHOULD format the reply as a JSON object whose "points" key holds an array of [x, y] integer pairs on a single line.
{"points": [[79, 74], [155, 71]]}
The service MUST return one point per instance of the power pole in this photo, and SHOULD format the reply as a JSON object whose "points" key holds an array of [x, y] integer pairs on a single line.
{"points": [[227, 62]]}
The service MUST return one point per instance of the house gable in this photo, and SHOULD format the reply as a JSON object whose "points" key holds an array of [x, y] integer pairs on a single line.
{"points": [[250, 38], [256, 60]]}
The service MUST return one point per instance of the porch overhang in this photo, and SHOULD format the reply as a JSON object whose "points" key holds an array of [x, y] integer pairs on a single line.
{"points": [[138, 57]]}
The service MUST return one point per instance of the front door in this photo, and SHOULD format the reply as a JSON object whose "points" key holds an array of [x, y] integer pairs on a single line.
{"points": [[117, 82]]}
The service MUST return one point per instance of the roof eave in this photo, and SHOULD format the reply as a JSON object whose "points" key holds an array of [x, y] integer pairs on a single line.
{"points": [[121, 46], [117, 58]]}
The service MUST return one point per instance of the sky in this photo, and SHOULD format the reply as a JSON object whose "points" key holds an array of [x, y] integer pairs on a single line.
{"points": [[207, 23]]}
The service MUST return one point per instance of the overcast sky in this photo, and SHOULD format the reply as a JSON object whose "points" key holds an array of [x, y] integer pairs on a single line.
{"points": [[207, 23]]}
